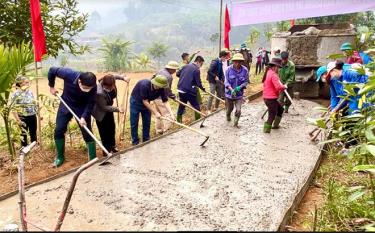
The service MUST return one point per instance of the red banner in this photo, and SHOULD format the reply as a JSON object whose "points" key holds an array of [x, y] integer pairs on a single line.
{"points": [[39, 38], [226, 28]]}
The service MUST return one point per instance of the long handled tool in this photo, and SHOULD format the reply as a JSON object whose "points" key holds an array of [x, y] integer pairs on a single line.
{"points": [[85, 127], [195, 110], [125, 102], [216, 97], [265, 112], [337, 108], [291, 101], [189, 128]]}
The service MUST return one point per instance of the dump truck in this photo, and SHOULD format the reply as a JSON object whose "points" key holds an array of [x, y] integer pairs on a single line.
{"points": [[308, 47]]}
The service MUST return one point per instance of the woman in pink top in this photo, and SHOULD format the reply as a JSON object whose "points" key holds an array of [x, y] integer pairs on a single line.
{"points": [[271, 90]]}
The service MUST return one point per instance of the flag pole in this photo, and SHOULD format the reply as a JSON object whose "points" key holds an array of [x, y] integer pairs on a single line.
{"points": [[221, 24], [38, 105]]}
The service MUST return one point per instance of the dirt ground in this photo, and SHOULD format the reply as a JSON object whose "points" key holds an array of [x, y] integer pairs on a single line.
{"points": [[38, 163], [242, 180]]}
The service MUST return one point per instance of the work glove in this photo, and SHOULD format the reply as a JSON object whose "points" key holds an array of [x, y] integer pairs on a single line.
{"points": [[237, 89], [234, 92]]}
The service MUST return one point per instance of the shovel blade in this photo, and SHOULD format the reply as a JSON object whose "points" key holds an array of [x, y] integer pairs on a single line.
{"points": [[202, 144]]}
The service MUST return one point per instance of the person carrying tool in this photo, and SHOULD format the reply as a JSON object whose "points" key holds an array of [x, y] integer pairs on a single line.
{"points": [[144, 92], [103, 110], [272, 87], [236, 80], [215, 78], [161, 126], [189, 79], [25, 109], [79, 93], [287, 74], [336, 78], [351, 55], [187, 59]]}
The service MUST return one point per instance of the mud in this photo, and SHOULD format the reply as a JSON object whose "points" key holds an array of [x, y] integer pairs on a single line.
{"points": [[303, 49], [242, 180]]}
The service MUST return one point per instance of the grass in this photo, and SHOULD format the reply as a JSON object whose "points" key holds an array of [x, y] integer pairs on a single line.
{"points": [[342, 208]]}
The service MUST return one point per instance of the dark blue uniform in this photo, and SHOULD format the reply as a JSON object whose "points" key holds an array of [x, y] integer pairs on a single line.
{"points": [[80, 102], [189, 78], [143, 91]]}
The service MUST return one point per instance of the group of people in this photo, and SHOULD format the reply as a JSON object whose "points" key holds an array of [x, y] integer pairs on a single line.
{"points": [[338, 73], [86, 96], [227, 76]]}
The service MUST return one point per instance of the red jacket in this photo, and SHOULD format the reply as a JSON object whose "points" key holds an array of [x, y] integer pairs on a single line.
{"points": [[272, 85]]}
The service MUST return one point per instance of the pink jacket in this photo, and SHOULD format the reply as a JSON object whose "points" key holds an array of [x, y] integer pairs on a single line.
{"points": [[272, 86]]}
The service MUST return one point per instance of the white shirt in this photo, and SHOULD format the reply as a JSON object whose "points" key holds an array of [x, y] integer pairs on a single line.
{"points": [[225, 67]]}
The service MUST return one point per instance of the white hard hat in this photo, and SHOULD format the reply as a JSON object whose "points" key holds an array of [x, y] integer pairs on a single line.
{"points": [[276, 48]]}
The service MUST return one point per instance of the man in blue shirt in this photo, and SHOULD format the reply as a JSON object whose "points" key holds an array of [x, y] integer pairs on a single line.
{"points": [[79, 94], [215, 77], [144, 92], [190, 78]]}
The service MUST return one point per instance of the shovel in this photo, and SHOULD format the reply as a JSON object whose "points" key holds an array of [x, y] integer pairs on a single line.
{"points": [[85, 127], [189, 128], [195, 110], [291, 101], [221, 100]]}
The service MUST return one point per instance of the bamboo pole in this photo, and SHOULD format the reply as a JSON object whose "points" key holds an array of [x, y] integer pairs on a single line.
{"points": [[221, 24], [38, 105]]}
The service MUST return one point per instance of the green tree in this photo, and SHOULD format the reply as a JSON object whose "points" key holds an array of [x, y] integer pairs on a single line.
{"points": [[13, 61], [268, 32], [158, 50], [253, 37], [117, 54], [61, 19], [143, 60]]}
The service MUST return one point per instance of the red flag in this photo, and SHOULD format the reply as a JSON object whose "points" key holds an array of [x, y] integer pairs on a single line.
{"points": [[226, 28], [39, 38]]}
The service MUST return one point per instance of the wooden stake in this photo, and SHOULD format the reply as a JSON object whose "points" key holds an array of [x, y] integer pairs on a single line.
{"points": [[38, 105]]}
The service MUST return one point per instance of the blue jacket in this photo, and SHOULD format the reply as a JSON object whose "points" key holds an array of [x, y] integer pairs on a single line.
{"points": [[337, 89], [365, 58], [189, 78], [216, 69], [82, 103], [236, 78]]}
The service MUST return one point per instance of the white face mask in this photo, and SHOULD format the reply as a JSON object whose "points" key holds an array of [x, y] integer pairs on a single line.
{"points": [[84, 89]]}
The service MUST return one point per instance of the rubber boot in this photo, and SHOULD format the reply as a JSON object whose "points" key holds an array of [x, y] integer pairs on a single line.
{"points": [[276, 122], [179, 118], [60, 148], [92, 150], [197, 116], [267, 128], [235, 122], [229, 118]]}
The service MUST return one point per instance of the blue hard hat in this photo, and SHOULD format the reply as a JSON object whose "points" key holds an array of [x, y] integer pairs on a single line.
{"points": [[346, 46], [320, 72], [243, 45]]}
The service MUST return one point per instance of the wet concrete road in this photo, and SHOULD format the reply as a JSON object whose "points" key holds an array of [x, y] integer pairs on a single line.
{"points": [[242, 180]]}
